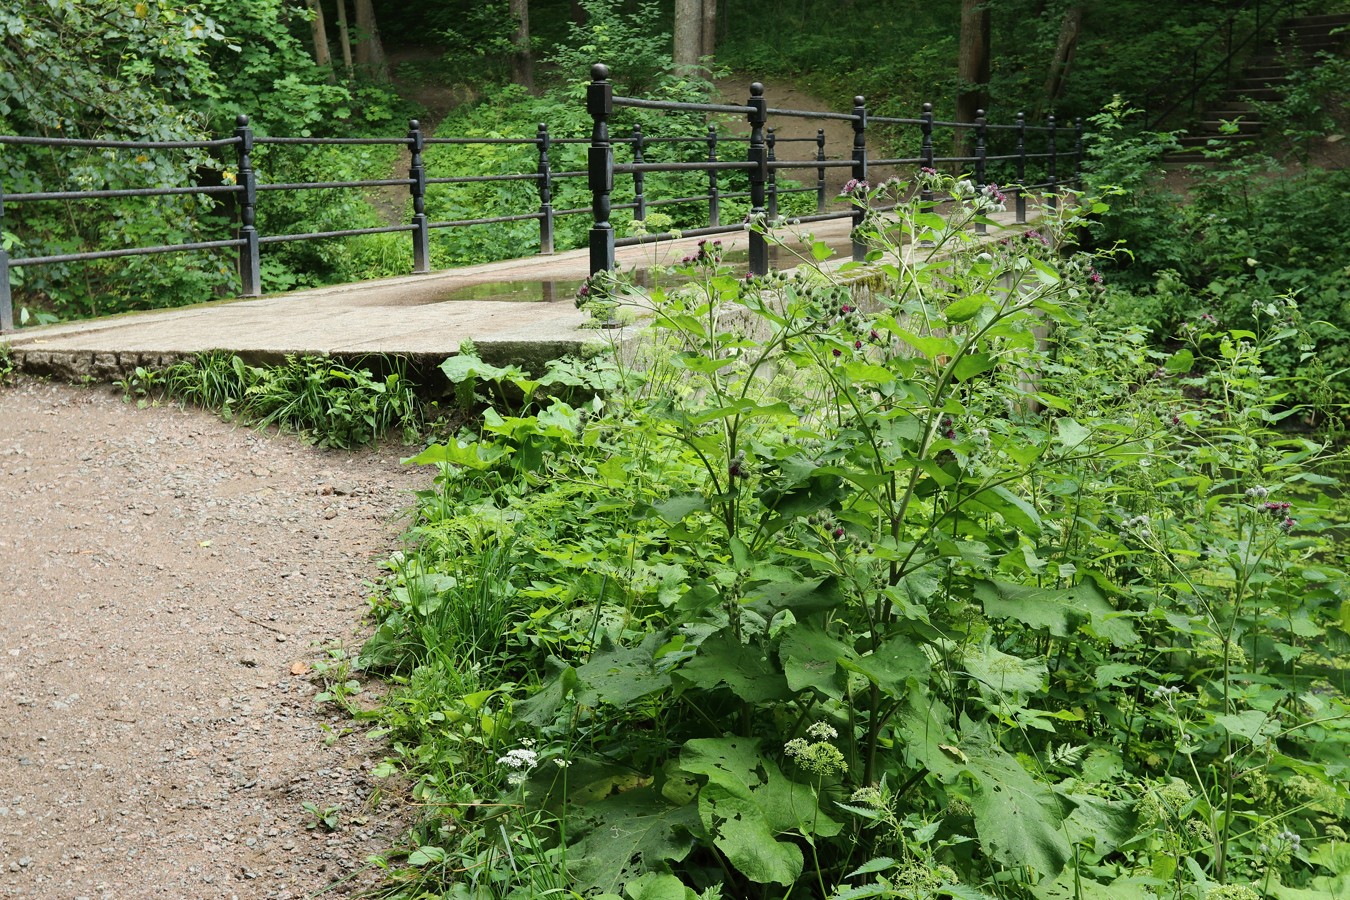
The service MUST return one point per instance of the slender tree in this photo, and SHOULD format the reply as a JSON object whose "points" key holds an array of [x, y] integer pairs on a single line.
{"points": [[1064, 51], [319, 30], [688, 34], [972, 66], [522, 58], [344, 35], [709, 42], [369, 51]]}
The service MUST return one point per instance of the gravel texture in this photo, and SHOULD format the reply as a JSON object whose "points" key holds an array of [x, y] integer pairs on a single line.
{"points": [[167, 583]]}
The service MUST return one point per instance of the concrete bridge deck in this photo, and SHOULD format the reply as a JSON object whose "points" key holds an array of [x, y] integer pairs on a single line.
{"points": [[516, 311]]}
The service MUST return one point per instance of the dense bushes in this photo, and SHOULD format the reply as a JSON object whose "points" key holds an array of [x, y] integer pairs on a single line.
{"points": [[873, 591], [1253, 235]]}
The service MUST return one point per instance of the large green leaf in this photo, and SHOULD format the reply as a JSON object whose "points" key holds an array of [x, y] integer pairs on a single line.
{"points": [[626, 835], [965, 308], [801, 596], [736, 763], [1105, 824], [542, 708], [811, 659], [657, 886], [743, 669], [892, 666], [923, 727], [1070, 887], [738, 766], [473, 455], [1252, 724], [1060, 611], [617, 675], [1018, 819], [1070, 433], [1005, 673], [1017, 512], [741, 831], [676, 508]]}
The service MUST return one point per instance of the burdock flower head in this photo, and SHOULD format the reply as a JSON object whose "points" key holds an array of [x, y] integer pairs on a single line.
{"points": [[855, 187], [991, 199]]}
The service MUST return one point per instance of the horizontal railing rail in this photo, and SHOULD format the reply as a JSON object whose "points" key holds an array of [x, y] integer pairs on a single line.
{"points": [[1063, 147]]}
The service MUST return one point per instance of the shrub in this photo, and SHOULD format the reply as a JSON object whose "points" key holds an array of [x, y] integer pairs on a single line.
{"points": [[903, 580]]}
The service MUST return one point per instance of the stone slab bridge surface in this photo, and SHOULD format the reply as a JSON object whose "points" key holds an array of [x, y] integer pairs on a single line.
{"points": [[421, 318]]}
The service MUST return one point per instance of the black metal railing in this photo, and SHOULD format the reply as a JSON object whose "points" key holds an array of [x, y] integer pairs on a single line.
{"points": [[763, 154], [1063, 148], [248, 242]]}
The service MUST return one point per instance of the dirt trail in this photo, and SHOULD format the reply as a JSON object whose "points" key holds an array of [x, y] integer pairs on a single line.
{"points": [[161, 576], [783, 94]]}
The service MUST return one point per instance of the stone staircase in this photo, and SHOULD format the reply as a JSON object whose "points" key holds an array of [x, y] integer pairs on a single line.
{"points": [[1296, 46]]}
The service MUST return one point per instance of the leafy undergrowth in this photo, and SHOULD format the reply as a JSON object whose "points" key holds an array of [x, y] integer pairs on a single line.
{"points": [[944, 590], [332, 404]]}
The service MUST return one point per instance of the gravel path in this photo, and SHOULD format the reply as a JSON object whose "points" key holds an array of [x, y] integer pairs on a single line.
{"points": [[166, 580]]}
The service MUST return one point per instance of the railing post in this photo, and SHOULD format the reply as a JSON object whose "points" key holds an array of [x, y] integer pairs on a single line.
{"points": [[1052, 184], [981, 175], [926, 148], [250, 262], [6, 299], [600, 167], [1021, 168], [417, 174], [771, 140], [714, 198], [639, 178], [859, 173], [820, 170], [758, 154], [1078, 153], [545, 191]]}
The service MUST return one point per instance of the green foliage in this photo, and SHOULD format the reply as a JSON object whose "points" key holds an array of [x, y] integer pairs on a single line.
{"points": [[905, 580], [635, 45], [1252, 239], [162, 72], [330, 403], [6, 363]]}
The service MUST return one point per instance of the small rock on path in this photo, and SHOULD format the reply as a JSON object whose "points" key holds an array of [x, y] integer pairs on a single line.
{"points": [[161, 575]]}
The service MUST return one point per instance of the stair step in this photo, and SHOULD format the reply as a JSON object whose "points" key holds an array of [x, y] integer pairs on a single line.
{"points": [[1254, 93], [1195, 142], [1245, 126], [1329, 20]]}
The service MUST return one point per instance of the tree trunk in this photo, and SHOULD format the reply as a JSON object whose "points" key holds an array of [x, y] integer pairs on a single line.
{"points": [[1064, 50], [322, 57], [709, 42], [688, 34], [369, 51], [522, 59], [972, 68], [344, 36]]}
